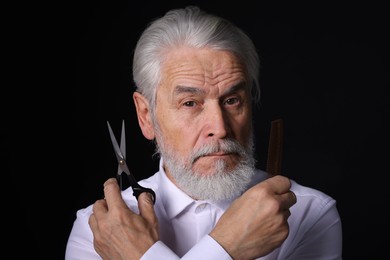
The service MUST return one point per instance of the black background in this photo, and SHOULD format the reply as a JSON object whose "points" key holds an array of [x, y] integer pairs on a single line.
{"points": [[325, 72]]}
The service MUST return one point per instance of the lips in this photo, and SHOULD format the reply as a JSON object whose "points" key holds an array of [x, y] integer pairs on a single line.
{"points": [[218, 154]]}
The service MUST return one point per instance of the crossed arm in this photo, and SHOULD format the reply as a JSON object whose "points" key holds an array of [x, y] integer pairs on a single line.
{"points": [[253, 226]]}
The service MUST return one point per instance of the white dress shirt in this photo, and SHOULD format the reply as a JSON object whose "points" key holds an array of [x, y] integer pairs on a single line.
{"points": [[315, 225]]}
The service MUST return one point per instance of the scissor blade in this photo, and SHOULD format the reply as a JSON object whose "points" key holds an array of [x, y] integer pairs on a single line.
{"points": [[118, 153], [123, 140]]}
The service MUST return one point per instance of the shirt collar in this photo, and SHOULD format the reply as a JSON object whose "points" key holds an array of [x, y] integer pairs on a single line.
{"points": [[170, 192]]}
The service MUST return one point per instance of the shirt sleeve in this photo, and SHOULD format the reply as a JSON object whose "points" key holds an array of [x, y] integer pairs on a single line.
{"points": [[80, 241], [322, 236], [159, 251], [206, 248]]}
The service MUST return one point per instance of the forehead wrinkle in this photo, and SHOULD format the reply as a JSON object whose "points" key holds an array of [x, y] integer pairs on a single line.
{"points": [[222, 75], [222, 72], [184, 71]]}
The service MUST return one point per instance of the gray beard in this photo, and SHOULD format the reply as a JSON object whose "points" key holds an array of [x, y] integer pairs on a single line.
{"points": [[223, 183]]}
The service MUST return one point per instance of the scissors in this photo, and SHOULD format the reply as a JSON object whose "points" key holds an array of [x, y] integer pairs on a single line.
{"points": [[120, 152]]}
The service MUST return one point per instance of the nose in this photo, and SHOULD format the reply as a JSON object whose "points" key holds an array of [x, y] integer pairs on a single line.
{"points": [[216, 122]]}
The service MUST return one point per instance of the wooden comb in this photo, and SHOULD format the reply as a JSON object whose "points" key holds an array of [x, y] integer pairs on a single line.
{"points": [[275, 147]]}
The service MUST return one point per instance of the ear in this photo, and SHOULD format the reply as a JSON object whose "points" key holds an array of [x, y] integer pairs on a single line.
{"points": [[144, 116]]}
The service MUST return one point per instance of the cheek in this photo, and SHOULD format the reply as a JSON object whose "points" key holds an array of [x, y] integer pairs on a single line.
{"points": [[178, 135], [242, 129]]}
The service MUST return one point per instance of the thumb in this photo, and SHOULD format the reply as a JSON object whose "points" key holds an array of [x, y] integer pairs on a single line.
{"points": [[146, 207], [112, 194]]}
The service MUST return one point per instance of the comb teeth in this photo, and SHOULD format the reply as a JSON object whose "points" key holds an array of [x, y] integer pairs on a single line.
{"points": [[275, 147]]}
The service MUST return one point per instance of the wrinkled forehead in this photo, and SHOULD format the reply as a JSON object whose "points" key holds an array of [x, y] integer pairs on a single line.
{"points": [[202, 67]]}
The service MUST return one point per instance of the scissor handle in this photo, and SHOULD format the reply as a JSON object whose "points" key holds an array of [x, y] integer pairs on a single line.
{"points": [[139, 189]]}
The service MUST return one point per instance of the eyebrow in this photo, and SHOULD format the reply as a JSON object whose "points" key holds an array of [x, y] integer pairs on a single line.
{"points": [[238, 87], [186, 89]]}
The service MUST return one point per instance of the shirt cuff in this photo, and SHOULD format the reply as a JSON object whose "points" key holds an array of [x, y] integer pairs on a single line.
{"points": [[159, 251], [207, 248]]}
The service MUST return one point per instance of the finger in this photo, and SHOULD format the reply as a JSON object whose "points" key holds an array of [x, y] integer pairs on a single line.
{"points": [[92, 222], [279, 184], [146, 207], [288, 199], [112, 194], [294, 197], [100, 207]]}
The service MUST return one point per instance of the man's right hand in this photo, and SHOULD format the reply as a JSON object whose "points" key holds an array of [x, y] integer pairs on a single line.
{"points": [[256, 223], [120, 233]]}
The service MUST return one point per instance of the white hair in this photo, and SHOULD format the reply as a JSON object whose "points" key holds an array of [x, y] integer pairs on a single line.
{"points": [[194, 28]]}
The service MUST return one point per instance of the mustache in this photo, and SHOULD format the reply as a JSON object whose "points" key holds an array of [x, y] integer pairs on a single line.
{"points": [[227, 146]]}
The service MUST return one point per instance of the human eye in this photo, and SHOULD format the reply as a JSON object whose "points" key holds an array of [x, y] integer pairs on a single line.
{"points": [[189, 103], [232, 101]]}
